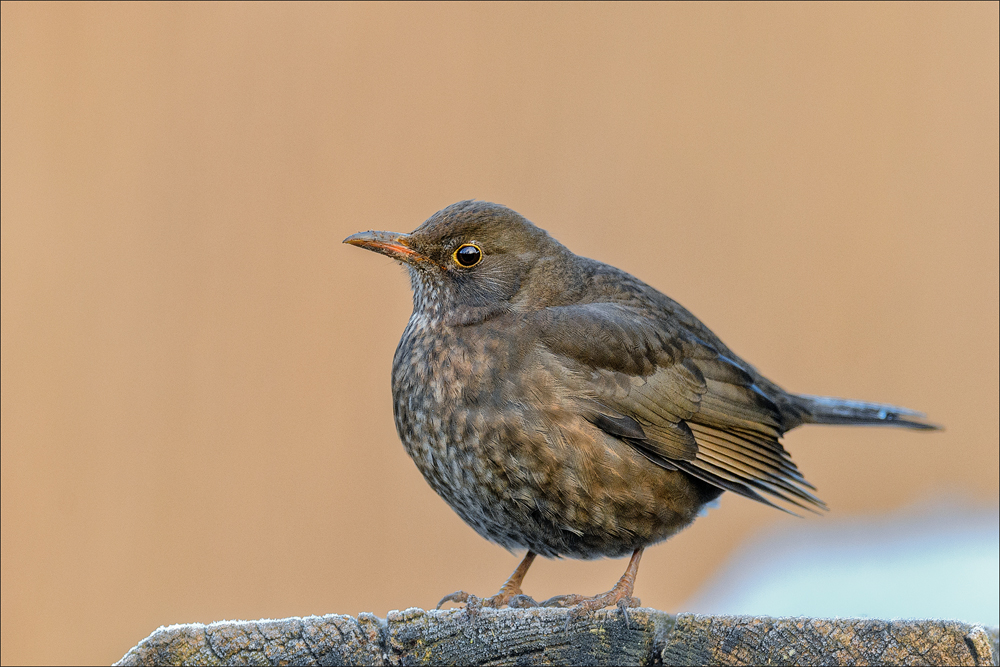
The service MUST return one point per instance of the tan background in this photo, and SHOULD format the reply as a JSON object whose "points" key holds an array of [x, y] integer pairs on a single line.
{"points": [[196, 408]]}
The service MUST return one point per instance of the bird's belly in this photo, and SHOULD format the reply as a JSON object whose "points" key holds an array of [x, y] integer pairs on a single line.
{"points": [[527, 477]]}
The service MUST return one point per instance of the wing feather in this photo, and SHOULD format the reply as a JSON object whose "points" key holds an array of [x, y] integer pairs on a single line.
{"points": [[680, 402]]}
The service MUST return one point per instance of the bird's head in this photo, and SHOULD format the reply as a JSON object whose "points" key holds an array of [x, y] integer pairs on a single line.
{"points": [[474, 260]]}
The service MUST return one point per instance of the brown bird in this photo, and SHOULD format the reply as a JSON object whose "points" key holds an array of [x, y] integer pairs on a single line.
{"points": [[562, 406]]}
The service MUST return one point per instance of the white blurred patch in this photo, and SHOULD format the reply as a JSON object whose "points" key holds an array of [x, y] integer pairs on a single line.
{"points": [[710, 505], [936, 560]]}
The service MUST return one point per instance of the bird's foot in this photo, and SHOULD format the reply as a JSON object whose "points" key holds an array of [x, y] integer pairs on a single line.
{"points": [[620, 596], [580, 606], [460, 597], [583, 605], [509, 594], [514, 599], [522, 601]]}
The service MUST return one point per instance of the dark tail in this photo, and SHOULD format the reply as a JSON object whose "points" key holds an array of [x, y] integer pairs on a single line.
{"points": [[826, 410]]}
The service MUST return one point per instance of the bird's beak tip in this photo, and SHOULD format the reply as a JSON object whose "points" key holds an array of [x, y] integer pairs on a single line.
{"points": [[385, 243], [357, 239]]}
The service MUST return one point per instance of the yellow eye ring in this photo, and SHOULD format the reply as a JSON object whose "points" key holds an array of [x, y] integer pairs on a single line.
{"points": [[468, 255]]}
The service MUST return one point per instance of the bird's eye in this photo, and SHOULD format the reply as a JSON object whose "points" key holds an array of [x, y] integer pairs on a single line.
{"points": [[468, 255]]}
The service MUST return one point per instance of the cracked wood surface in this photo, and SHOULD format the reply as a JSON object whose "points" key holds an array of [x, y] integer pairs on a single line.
{"points": [[542, 637]]}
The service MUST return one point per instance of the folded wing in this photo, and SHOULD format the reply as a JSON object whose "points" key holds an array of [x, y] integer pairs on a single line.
{"points": [[675, 398]]}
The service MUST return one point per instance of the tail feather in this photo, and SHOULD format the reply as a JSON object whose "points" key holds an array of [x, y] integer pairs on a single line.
{"points": [[827, 410]]}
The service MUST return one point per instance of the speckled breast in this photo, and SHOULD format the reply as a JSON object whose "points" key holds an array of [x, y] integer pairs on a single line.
{"points": [[437, 387], [522, 474]]}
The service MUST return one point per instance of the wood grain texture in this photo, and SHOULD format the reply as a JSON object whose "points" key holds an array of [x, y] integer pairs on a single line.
{"points": [[542, 637]]}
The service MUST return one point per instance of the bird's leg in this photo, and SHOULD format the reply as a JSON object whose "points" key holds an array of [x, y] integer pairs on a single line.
{"points": [[511, 589], [620, 595]]}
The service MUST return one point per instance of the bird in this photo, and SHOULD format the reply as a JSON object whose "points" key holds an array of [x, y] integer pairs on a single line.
{"points": [[563, 407]]}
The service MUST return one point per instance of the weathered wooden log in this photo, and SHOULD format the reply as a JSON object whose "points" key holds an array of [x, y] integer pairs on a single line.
{"points": [[548, 636]]}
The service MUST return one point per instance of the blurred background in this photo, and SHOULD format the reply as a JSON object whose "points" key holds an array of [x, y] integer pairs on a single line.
{"points": [[196, 415]]}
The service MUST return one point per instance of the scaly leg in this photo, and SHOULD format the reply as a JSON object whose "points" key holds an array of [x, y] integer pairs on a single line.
{"points": [[620, 595], [510, 589]]}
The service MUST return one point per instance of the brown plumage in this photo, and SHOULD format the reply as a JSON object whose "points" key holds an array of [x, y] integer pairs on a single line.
{"points": [[562, 406]]}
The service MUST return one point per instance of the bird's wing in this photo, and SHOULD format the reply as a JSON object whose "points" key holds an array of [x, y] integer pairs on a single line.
{"points": [[674, 397]]}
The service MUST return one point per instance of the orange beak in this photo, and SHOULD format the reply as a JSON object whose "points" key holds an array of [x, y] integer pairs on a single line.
{"points": [[386, 243]]}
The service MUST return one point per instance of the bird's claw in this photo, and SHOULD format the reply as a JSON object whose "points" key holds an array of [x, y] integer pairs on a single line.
{"points": [[474, 603], [459, 597], [522, 601], [580, 606], [624, 605], [562, 601]]}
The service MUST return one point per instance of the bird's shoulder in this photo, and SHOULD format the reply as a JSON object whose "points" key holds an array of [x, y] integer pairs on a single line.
{"points": [[617, 321]]}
